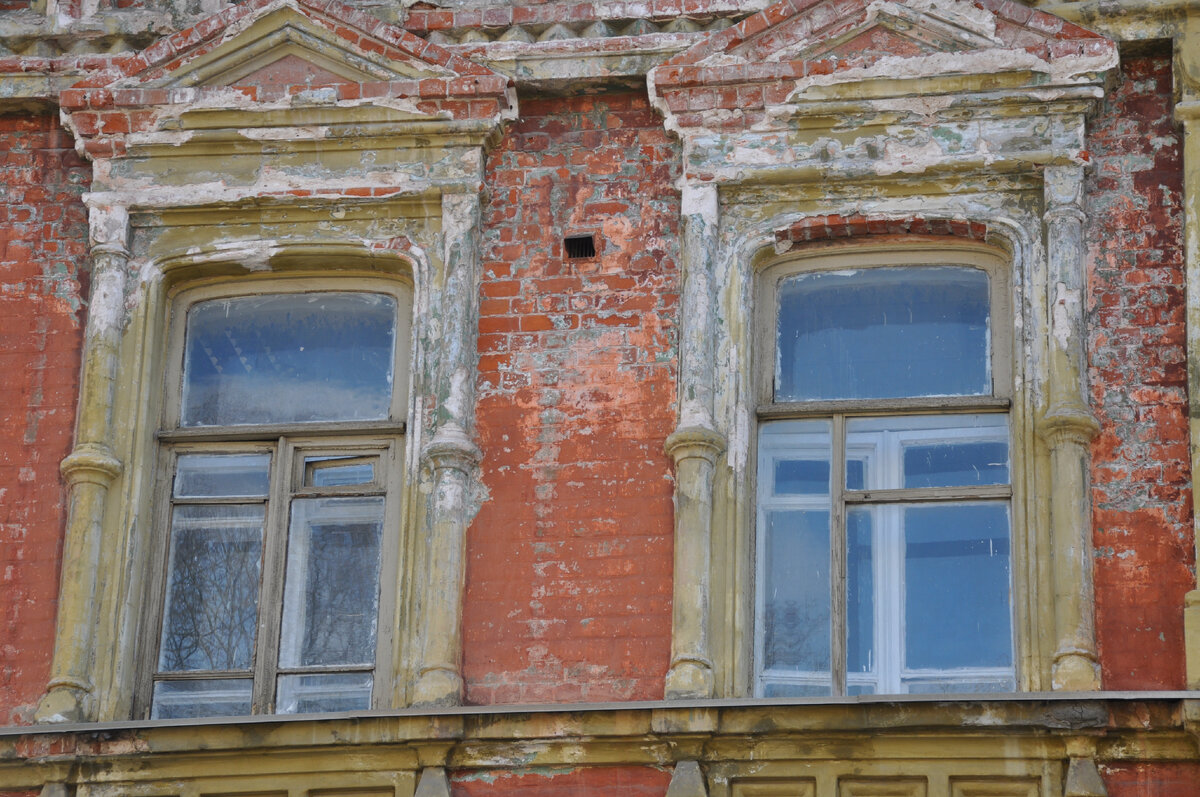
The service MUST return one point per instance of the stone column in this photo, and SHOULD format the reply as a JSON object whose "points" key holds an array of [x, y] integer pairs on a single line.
{"points": [[1187, 112], [451, 457], [89, 470], [694, 447], [1067, 428]]}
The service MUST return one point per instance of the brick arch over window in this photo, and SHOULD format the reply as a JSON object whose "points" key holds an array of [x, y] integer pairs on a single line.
{"points": [[835, 227]]}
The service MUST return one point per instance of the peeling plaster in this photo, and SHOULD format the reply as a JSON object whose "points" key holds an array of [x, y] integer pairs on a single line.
{"points": [[1066, 307]]}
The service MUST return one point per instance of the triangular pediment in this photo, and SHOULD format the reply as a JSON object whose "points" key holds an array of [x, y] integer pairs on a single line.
{"points": [[284, 70], [280, 43], [864, 31]]}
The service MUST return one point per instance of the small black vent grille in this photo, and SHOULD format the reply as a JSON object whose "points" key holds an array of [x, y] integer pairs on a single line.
{"points": [[579, 246]]}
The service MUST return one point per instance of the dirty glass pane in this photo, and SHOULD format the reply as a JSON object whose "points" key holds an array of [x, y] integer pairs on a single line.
{"points": [[801, 477], [956, 464], [331, 589], [338, 471], [210, 697], [212, 588], [222, 475], [961, 686], [860, 593], [957, 586], [793, 625], [883, 333], [929, 450], [289, 358], [797, 589], [312, 694]]}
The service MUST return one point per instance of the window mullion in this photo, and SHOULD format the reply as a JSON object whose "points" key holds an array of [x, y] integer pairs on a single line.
{"points": [[270, 598], [837, 554]]}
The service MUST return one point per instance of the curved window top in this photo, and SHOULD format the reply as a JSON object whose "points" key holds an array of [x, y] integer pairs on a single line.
{"points": [[289, 358], [890, 332]]}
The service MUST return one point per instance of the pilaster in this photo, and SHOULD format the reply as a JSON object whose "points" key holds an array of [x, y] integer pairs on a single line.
{"points": [[694, 447], [1067, 428], [89, 470], [452, 458], [1187, 112]]}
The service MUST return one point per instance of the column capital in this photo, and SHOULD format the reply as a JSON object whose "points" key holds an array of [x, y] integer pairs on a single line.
{"points": [[1067, 425], [108, 229], [700, 442], [451, 447], [93, 463]]}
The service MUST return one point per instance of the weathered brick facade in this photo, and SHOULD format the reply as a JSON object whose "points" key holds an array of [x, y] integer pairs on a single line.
{"points": [[576, 369], [43, 249], [575, 559], [1140, 471]]}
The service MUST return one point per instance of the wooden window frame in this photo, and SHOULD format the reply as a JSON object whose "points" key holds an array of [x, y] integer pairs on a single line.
{"points": [[287, 444], [879, 255]]}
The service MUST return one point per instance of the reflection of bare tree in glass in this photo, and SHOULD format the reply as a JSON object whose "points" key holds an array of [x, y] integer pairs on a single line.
{"points": [[213, 596], [343, 592], [797, 634]]}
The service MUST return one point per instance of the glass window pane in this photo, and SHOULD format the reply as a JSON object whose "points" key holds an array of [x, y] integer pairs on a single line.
{"points": [[953, 464], [312, 694], [796, 624], [789, 689], [793, 625], [961, 686], [212, 588], [860, 592], [957, 586], [222, 475], [289, 358], [331, 589], [801, 476], [211, 697], [883, 333], [341, 471], [856, 474], [927, 451]]}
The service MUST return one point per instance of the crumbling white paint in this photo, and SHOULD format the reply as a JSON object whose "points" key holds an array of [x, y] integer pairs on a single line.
{"points": [[960, 13], [307, 132], [699, 199], [1066, 307], [903, 158], [977, 62], [172, 138]]}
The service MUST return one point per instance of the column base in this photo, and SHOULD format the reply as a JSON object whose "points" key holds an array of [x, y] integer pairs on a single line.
{"points": [[689, 679], [64, 703], [1191, 637], [438, 687], [1075, 672]]}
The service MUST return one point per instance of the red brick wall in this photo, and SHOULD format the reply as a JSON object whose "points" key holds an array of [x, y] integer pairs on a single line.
{"points": [[569, 571], [1140, 470], [43, 233], [594, 782], [1144, 779]]}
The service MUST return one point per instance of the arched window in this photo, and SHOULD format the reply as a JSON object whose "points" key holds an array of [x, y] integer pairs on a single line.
{"points": [[278, 506], [883, 535]]}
